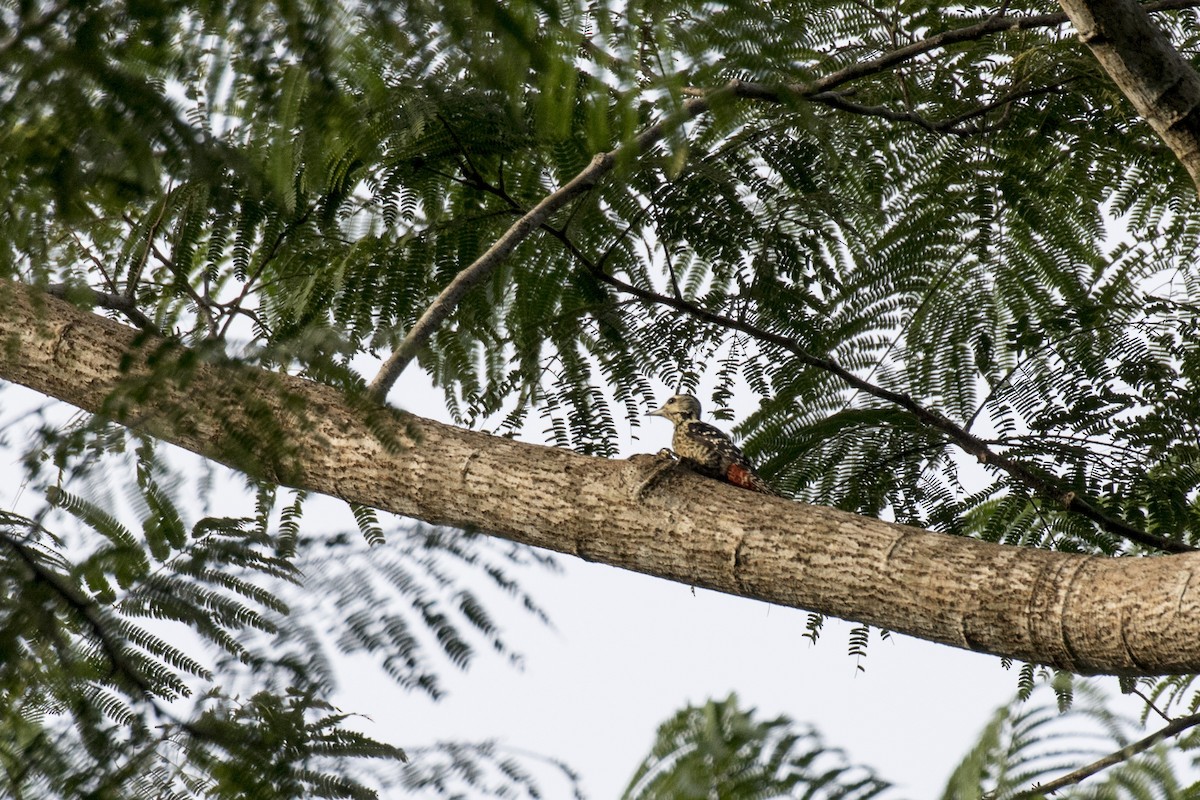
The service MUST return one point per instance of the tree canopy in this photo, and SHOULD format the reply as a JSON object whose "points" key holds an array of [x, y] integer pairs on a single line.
{"points": [[933, 247]]}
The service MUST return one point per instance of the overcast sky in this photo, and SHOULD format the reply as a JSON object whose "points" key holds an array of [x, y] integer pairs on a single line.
{"points": [[630, 650]]}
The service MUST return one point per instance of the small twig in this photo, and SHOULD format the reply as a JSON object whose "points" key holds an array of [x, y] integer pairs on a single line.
{"points": [[881, 19], [1009, 99], [97, 262], [470, 170], [674, 279], [1149, 703], [1124, 754], [204, 305], [953, 126], [135, 274], [110, 300], [837, 100], [251, 280]]}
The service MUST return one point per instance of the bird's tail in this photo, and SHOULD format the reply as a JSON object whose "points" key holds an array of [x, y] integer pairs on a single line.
{"points": [[746, 478]]}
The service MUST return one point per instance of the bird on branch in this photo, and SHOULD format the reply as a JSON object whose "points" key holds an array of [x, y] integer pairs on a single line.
{"points": [[706, 449]]}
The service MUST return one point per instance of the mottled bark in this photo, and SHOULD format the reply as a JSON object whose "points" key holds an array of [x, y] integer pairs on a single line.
{"points": [[1081, 613], [1142, 62]]}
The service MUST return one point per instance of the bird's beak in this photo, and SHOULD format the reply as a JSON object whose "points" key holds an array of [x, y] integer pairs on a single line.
{"points": [[657, 412]]}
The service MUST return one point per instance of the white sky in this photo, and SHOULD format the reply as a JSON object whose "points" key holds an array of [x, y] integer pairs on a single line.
{"points": [[631, 650]]}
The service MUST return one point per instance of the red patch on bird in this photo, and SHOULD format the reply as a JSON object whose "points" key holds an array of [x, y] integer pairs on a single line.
{"points": [[740, 476]]}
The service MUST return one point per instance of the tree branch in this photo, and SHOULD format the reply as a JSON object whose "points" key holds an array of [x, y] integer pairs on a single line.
{"points": [[87, 609], [953, 125], [1112, 759], [1086, 614], [1148, 70], [531, 220]]}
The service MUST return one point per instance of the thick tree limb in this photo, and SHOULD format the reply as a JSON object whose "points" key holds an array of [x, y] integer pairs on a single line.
{"points": [[1147, 69], [1132, 616]]}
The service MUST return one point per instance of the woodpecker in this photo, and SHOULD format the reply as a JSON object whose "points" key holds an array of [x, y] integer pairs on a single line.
{"points": [[706, 449]]}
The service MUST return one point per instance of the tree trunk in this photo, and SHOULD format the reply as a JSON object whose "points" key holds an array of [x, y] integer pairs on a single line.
{"points": [[1086, 614], [1147, 69]]}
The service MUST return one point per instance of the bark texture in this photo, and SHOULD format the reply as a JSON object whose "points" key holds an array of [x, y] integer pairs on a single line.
{"points": [[1082, 613], [1148, 70]]}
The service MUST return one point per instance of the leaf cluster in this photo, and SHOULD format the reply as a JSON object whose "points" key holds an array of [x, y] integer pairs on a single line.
{"points": [[722, 750], [1031, 742]]}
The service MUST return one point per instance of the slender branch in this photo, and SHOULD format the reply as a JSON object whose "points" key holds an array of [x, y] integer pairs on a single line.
{"points": [[1149, 703], [1046, 347], [135, 272], [236, 305], [471, 170], [953, 125], [1124, 754], [1007, 100], [204, 305], [530, 221], [838, 100]]}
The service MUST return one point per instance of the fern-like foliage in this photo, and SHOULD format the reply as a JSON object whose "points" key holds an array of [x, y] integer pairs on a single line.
{"points": [[483, 769], [194, 659], [722, 750], [94, 664], [421, 602]]}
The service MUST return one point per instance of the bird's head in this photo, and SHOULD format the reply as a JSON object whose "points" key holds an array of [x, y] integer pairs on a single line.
{"points": [[679, 408]]}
